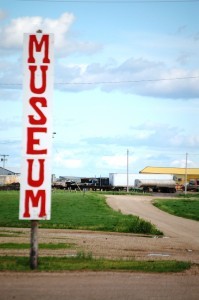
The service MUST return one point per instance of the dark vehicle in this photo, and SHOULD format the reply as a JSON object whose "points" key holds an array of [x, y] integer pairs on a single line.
{"points": [[192, 186]]}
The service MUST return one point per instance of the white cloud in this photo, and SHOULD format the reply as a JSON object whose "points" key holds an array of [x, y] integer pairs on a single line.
{"points": [[66, 159], [192, 140], [11, 35], [134, 76], [115, 162], [149, 134], [181, 163]]}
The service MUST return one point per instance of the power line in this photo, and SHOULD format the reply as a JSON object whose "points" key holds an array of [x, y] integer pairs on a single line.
{"points": [[108, 82], [112, 1], [129, 81]]}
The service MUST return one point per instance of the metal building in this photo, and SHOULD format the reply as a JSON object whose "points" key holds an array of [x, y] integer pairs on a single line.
{"points": [[4, 171], [180, 173], [8, 176]]}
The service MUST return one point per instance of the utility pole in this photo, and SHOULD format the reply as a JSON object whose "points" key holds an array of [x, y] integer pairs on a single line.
{"points": [[127, 172], [4, 159], [185, 189]]}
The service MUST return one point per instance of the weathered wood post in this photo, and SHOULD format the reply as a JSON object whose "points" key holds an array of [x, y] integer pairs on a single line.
{"points": [[34, 245]]}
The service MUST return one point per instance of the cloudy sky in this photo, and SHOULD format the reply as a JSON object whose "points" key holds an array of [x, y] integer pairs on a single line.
{"points": [[126, 77]]}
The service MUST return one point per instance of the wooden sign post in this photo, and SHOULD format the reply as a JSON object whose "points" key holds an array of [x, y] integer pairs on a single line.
{"points": [[35, 187], [34, 244]]}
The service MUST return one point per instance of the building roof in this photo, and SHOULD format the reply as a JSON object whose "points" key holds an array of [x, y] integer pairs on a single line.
{"points": [[4, 171], [174, 171]]}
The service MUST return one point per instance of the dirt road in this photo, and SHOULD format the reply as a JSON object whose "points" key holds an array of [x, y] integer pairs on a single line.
{"points": [[179, 229], [98, 286], [182, 235]]}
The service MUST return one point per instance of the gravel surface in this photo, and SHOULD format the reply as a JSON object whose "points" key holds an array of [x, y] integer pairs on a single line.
{"points": [[98, 286], [179, 231]]}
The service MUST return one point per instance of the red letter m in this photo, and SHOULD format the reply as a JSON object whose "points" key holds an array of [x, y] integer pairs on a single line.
{"points": [[29, 196], [38, 46]]}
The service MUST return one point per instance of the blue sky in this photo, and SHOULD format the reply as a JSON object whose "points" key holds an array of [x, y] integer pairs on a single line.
{"points": [[126, 77]]}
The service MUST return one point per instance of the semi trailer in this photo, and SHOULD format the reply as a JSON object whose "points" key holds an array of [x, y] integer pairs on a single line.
{"points": [[156, 185], [119, 180]]}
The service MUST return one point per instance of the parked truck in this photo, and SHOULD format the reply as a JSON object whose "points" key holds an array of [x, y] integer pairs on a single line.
{"points": [[156, 185], [192, 185]]}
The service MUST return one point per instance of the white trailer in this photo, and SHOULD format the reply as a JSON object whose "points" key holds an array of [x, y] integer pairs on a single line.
{"points": [[119, 180]]}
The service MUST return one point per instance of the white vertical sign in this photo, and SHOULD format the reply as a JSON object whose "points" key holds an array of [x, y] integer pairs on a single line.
{"points": [[35, 189]]}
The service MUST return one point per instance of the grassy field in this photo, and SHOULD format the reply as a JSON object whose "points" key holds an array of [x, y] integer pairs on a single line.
{"points": [[186, 206], [87, 211], [82, 262]]}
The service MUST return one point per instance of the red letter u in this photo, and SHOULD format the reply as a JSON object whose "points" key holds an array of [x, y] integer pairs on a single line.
{"points": [[40, 180], [33, 88]]}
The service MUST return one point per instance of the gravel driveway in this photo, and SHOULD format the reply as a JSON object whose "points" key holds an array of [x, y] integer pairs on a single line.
{"points": [[182, 235], [181, 229]]}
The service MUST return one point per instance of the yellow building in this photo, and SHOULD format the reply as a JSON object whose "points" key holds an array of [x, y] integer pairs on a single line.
{"points": [[180, 173]]}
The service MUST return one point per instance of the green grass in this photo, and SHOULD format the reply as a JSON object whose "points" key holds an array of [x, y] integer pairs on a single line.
{"points": [[186, 208], [9, 233], [87, 211], [78, 263], [189, 195], [50, 246]]}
